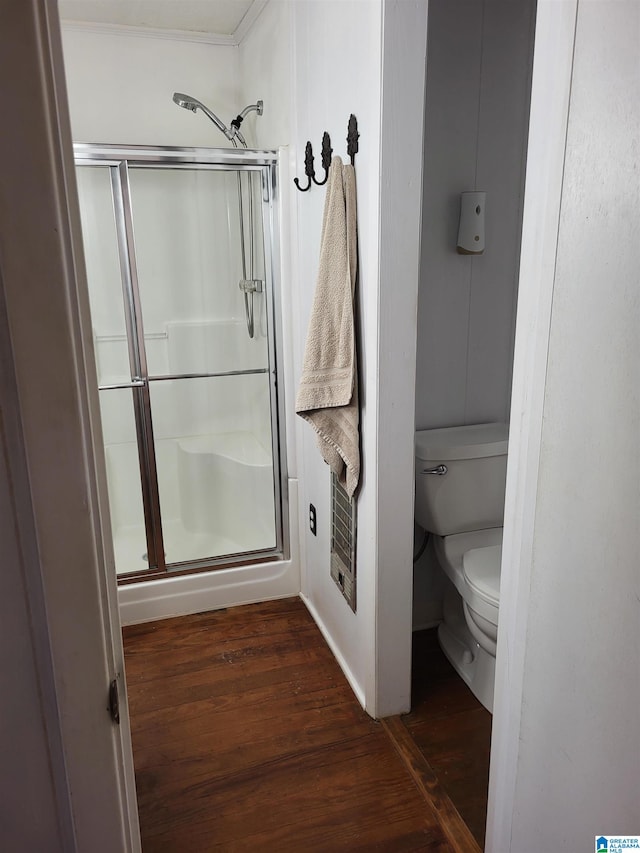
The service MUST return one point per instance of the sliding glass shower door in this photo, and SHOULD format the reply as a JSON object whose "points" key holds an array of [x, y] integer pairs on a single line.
{"points": [[179, 250]]}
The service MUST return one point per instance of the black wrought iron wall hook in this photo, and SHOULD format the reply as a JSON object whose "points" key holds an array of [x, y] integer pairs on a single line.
{"points": [[308, 169], [352, 138], [309, 165], [327, 153]]}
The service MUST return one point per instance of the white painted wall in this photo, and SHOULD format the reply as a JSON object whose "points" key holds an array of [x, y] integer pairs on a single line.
{"points": [[477, 106], [337, 67], [339, 51], [266, 73], [566, 762], [120, 88]]}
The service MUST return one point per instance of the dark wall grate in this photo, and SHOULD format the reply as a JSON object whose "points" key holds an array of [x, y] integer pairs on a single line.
{"points": [[343, 541]]}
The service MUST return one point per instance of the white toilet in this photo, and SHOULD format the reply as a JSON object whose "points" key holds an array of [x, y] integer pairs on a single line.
{"points": [[460, 481]]}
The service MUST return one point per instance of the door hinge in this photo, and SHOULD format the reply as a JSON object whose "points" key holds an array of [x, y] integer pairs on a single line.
{"points": [[114, 702]]}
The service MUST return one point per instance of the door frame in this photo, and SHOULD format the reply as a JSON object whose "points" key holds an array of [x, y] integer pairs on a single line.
{"points": [[77, 628], [37, 166], [549, 118]]}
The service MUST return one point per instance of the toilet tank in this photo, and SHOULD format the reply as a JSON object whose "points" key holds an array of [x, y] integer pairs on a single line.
{"points": [[468, 492]]}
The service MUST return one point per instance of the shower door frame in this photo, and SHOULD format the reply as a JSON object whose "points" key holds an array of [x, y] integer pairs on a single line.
{"points": [[118, 159]]}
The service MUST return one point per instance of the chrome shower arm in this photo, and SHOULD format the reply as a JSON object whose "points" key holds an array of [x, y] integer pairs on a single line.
{"points": [[237, 121], [257, 107]]}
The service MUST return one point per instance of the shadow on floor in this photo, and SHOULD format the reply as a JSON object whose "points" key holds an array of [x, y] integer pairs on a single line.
{"points": [[452, 729]]}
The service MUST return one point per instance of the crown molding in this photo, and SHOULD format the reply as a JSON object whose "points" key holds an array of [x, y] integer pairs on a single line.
{"points": [[149, 33], [234, 40], [253, 13]]}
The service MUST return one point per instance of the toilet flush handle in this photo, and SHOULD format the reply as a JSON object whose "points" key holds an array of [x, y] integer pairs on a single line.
{"points": [[439, 470]]}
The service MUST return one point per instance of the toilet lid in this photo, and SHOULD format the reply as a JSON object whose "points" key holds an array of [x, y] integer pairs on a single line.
{"points": [[481, 568]]}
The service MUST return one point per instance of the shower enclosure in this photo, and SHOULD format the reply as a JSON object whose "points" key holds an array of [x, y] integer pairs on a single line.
{"points": [[188, 393]]}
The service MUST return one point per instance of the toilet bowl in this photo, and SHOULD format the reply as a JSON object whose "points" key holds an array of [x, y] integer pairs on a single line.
{"points": [[468, 633], [460, 478], [481, 598]]}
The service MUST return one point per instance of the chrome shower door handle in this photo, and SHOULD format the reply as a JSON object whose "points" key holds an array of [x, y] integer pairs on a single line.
{"points": [[440, 470], [136, 382]]}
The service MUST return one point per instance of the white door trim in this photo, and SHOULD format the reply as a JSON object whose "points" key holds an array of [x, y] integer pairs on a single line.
{"points": [[47, 318], [550, 94], [404, 50]]}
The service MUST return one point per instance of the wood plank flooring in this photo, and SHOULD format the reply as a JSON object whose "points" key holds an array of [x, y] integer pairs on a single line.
{"points": [[246, 736], [452, 730]]}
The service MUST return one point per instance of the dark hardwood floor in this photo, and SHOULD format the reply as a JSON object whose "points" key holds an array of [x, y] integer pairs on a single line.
{"points": [[452, 730], [246, 736]]}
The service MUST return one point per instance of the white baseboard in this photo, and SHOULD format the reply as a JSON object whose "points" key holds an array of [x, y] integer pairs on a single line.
{"points": [[357, 689]]}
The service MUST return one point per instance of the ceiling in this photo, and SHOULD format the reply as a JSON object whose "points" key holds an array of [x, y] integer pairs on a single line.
{"points": [[202, 16]]}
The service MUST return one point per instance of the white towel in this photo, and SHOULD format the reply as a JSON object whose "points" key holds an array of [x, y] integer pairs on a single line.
{"points": [[328, 391]]}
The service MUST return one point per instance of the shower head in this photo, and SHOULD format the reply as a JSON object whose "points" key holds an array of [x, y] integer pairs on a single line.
{"points": [[185, 101], [189, 103], [232, 133]]}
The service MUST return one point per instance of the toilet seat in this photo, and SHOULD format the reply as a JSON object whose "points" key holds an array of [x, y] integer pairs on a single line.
{"points": [[451, 551], [481, 570]]}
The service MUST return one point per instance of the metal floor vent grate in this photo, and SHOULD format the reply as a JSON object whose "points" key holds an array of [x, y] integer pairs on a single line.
{"points": [[343, 541]]}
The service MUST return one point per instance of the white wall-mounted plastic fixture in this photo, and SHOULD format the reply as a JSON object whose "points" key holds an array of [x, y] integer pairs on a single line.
{"points": [[471, 228]]}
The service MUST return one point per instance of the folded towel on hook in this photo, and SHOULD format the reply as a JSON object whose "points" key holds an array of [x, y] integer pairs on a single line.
{"points": [[328, 392]]}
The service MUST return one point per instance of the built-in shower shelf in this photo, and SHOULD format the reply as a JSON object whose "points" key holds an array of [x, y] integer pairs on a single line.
{"points": [[241, 447], [118, 337]]}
